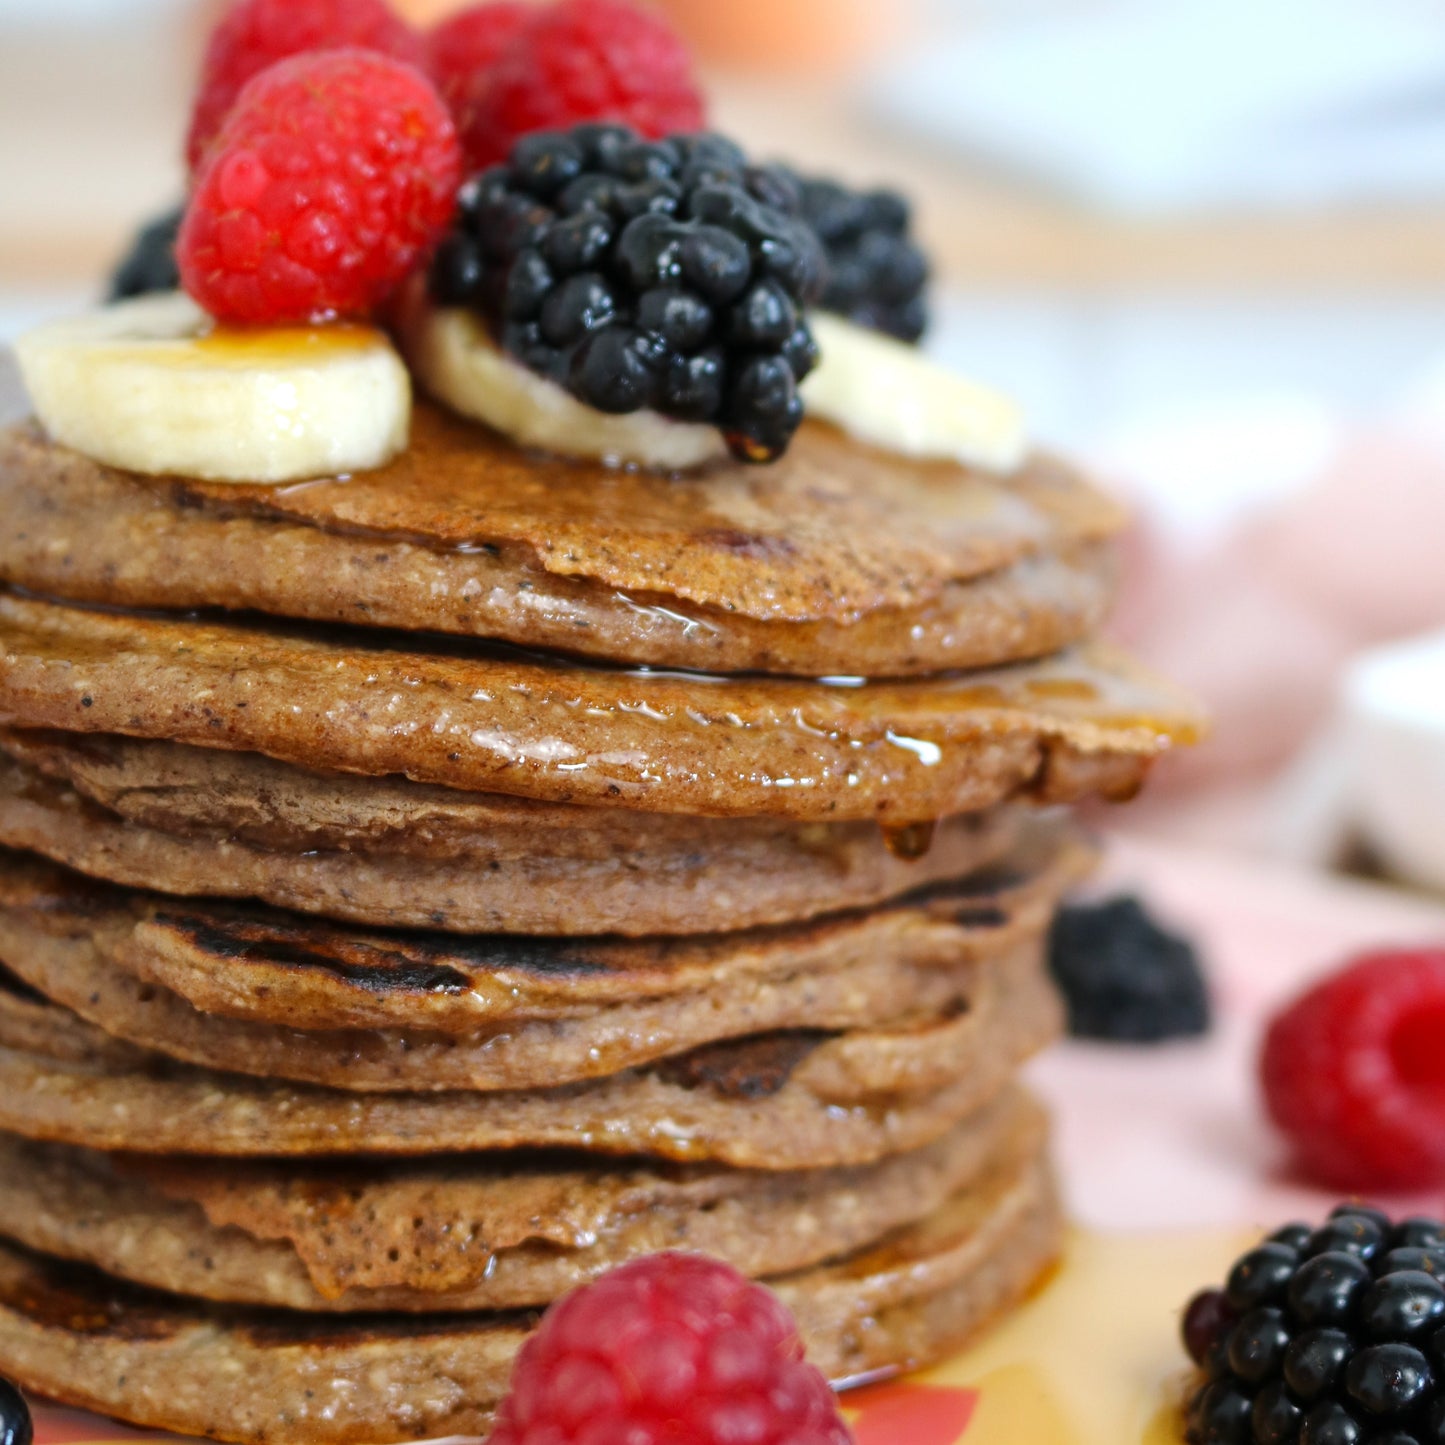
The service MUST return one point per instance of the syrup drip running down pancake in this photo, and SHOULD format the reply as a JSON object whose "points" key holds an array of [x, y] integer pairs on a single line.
{"points": [[488, 721], [838, 559]]}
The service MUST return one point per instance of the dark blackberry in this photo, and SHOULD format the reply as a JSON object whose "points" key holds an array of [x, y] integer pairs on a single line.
{"points": [[1124, 978], [150, 264], [669, 275], [877, 274], [16, 1426], [1319, 1338]]}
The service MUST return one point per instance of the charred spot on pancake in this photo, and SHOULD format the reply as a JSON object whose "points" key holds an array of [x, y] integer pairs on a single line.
{"points": [[15, 988], [755, 1068], [78, 1300], [278, 1329], [374, 969], [418, 964]]}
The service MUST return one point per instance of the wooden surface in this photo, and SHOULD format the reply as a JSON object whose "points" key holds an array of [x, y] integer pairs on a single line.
{"points": [[90, 130]]}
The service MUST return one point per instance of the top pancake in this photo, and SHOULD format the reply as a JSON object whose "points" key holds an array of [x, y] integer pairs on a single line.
{"points": [[839, 558]]}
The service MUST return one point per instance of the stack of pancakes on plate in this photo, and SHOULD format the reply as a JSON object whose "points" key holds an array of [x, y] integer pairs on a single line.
{"points": [[425, 890]]}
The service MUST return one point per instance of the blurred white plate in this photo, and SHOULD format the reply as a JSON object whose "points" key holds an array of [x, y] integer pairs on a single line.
{"points": [[1146, 106]]}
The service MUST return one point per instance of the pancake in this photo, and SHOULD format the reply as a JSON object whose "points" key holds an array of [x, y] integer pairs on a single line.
{"points": [[838, 559], [511, 1019], [464, 1234], [801, 1100], [290, 1379], [488, 721], [390, 853]]}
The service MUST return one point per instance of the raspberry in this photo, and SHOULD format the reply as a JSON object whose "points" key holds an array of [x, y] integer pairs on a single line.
{"points": [[1354, 1074], [330, 179], [255, 34], [673, 1349], [584, 60], [463, 50]]}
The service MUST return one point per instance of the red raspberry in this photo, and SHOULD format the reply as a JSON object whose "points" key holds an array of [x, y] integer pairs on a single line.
{"points": [[330, 179], [1354, 1073], [463, 50], [255, 34], [673, 1349], [583, 60]]}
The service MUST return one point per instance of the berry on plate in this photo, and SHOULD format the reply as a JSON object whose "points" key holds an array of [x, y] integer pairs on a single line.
{"points": [[327, 185], [16, 1427], [1330, 1336], [581, 60], [673, 1349], [255, 34], [1354, 1073], [1125, 978]]}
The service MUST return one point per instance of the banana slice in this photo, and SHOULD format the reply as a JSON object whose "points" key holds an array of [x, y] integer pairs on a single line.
{"points": [[151, 385], [889, 394], [456, 360]]}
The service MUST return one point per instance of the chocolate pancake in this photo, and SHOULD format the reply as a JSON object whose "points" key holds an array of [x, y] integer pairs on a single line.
{"points": [[782, 1101], [487, 721], [838, 559], [281, 1378], [518, 1012], [390, 853], [462, 1234]]}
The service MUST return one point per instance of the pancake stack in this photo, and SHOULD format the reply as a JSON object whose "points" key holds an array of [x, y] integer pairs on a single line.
{"points": [[425, 890]]}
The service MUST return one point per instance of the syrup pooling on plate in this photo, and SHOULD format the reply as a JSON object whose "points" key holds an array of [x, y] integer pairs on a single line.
{"points": [[1094, 1357]]}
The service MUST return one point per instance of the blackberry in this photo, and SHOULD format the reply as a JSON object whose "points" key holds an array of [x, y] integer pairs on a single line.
{"points": [[1319, 1338], [16, 1426], [150, 264], [877, 274], [670, 275], [1125, 978]]}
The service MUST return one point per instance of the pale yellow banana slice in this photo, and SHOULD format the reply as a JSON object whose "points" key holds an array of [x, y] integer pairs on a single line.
{"points": [[151, 385], [891, 395], [457, 361]]}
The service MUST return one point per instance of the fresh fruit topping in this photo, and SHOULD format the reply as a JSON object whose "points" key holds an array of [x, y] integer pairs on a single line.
{"points": [[1124, 977], [1354, 1073], [150, 264], [1325, 1337], [584, 60], [148, 385], [16, 1426], [330, 179], [877, 274], [885, 392], [668, 276], [673, 1349], [453, 355], [254, 34], [461, 52]]}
